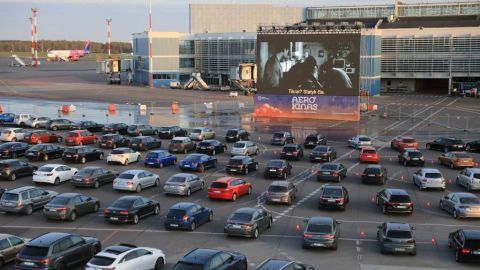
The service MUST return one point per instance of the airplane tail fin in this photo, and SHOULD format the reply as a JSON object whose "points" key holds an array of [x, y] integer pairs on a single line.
{"points": [[87, 47]]}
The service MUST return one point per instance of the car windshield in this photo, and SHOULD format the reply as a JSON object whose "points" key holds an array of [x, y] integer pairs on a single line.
{"points": [[319, 228], [232, 133], [274, 188], [85, 172], [235, 162], [400, 199], [433, 175], [178, 213], [469, 200], [320, 149], [187, 266], [117, 152], [329, 167], [196, 130], [408, 140], [219, 185], [239, 145], [290, 149], [399, 234], [73, 134], [33, 251], [10, 196], [60, 200], [101, 261], [123, 203], [364, 139], [278, 135], [176, 179], [311, 138], [204, 144], [476, 175], [37, 147], [367, 151], [164, 129], [275, 163], [152, 155], [414, 154], [241, 217], [126, 176], [457, 142], [45, 169], [462, 156], [333, 192]]}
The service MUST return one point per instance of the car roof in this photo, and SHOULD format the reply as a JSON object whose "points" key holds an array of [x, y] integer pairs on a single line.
{"points": [[129, 197], [320, 220], [276, 160], [330, 163], [134, 171], [199, 255], [248, 210], [465, 195], [91, 168], [397, 226], [53, 165], [397, 191], [472, 234], [195, 155], [430, 170], [368, 148], [332, 186], [238, 157], [406, 137], [180, 138], [474, 170], [182, 205], [20, 189], [158, 151], [69, 195], [140, 137], [283, 183], [47, 239], [209, 141], [291, 145], [7, 161], [184, 174], [122, 148], [374, 166], [77, 131], [226, 179]]}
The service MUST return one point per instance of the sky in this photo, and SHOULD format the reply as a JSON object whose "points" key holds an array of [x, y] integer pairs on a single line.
{"points": [[85, 19]]}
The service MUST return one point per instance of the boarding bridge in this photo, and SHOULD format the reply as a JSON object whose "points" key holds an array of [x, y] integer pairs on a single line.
{"points": [[17, 61]]}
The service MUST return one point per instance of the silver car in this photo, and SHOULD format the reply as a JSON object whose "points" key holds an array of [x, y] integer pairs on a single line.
{"points": [[359, 141], [183, 184], [429, 178], [136, 180], [461, 205], [202, 133], [10, 245], [244, 148], [469, 178]]}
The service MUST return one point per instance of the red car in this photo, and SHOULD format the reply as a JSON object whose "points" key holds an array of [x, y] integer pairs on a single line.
{"points": [[42, 136], [80, 137], [369, 154], [229, 188], [401, 143]]}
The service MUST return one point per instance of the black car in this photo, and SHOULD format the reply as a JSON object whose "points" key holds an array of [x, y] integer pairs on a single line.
{"points": [[411, 157], [392, 200], [81, 154], [323, 153], [473, 146], [171, 132], [13, 149], [333, 196], [277, 168], [291, 151], [141, 130], [447, 145], [88, 125], [117, 128], [466, 244], [113, 141], [282, 138], [211, 147], [69, 206], [55, 250], [204, 259], [321, 232], [236, 134], [58, 124], [332, 172], [130, 209], [2, 190], [248, 222], [241, 164], [44, 152], [313, 140], [11, 169], [93, 177], [144, 143], [276, 264], [374, 174]]}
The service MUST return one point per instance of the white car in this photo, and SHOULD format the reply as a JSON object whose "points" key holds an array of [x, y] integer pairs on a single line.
{"points": [[429, 178], [136, 180], [469, 178], [244, 148], [13, 134], [123, 155], [54, 174], [127, 257], [37, 122], [21, 119], [359, 141]]}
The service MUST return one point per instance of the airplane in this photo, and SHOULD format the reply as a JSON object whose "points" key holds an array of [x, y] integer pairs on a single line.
{"points": [[69, 55]]}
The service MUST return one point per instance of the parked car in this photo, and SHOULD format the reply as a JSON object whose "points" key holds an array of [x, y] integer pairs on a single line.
{"points": [[333, 196], [127, 257], [2, 190], [10, 245], [469, 178], [323, 153], [332, 172], [321, 232], [44, 152], [241, 164], [113, 141], [277, 168], [429, 178], [461, 205], [244, 148], [270, 264], [13, 149], [144, 143], [37, 122], [446, 144], [136, 180], [123, 155], [11, 169], [375, 174], [82, 154], [236, 134], [392, 200], [89, 125], [25, 199], [281, 192], [198, 162], [21, 119], [186, 215], [57, 124], [55, 250], [248, 222], [201, 259], [402, 142], [473, 146], [411, 157], [115, 128], [369, 154], [7, 117], [229, 188], [181, 145], [42, 136], [13, 134], [130, 209], [171, 132], [312, 140], [69, 206], [80, 137], [291, 151], [159, 159], [183, 184], [211, 147], [456, 160], [202, 133], [141, 130], [359, 141], [395, 237], [92, 177], [466, 244], [282, 138], [53, 174]]}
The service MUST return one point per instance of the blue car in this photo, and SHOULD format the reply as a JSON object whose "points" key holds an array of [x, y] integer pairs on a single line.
{"points": [[7, 117], [186, 215], [159, 158], [198, 162]]}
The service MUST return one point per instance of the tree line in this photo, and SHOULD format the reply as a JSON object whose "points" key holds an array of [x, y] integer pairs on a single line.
{"points": [[46, 45]]}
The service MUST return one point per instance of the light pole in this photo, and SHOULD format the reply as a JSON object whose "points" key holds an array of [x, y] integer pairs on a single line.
{"points": [[35, 59], [150, 64], [109, 21]]}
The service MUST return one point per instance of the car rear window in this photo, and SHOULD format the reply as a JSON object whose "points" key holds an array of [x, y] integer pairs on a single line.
{"points": [[408, 140], [45, 169], [457, 142], [321, 149], [177, 141], [152, 155], [277, 188], [187, 266], [311, 138], [33, 251], [122, 203], [117, 152], [241, 217], [232, 133], [329, 167], [108, 137], [275, 164], [60, 200], [319, 228], [71, 150], [101, 261], [176, 213], [472, 244], [219, 185], [196, 130], [334, 192], [204, 144], [399, 234], [433, 175], [290, 149], [37, 147], [239, 145], [364, 139], [372, 170], [235, 162], [400, 199], [73, 134], [137, 140], [176, 179], [126, 176], [462, 156], [414, 154], [10, 196], [476, 175], [470, 200], [367, 151], [164, 129], [6, 132], [278, 135]]}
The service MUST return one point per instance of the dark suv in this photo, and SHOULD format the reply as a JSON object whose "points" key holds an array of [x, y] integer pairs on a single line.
{"points": [[237, 134], [277, 168], [374, 174], [411, 157], [291, 151], [282, 138], [313, 140], [394, 201], [143, 143], [333, 196], [202, 258], [171, 132], [241, 164], [12, 168], [447, 144], [59, 251]]}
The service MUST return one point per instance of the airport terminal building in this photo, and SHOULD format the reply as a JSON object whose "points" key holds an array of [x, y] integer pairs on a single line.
{"points": [[428, 48]]}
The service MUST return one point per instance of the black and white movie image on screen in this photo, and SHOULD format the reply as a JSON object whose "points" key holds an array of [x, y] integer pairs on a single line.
{"points": [[326, 63]]}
